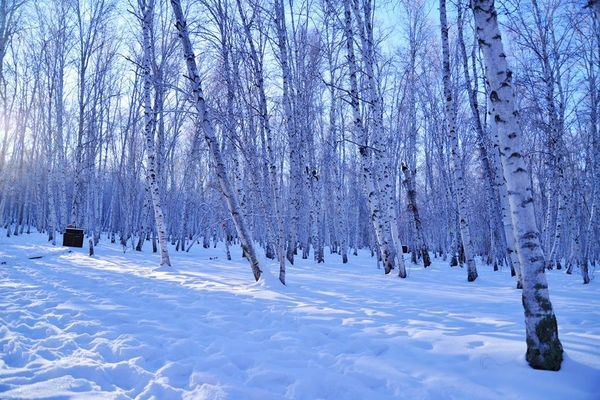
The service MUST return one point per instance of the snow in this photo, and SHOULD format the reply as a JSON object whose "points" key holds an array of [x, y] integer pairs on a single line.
{"points": [[116, 326]]}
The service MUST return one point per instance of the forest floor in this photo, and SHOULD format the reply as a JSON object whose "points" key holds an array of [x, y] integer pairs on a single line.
{"points": [[115, 326]]}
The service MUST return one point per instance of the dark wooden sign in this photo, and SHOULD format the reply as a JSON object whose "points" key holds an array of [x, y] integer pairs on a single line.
{"points": [[73, 237]]}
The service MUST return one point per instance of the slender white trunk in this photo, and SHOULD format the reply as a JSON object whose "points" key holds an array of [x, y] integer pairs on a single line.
{"points": [[149, 123], [382, 237], [459, 181], [595, 160], [292, 130], [497, 234], [60, 148], [381, 163], [554, 258], [211, 140], [51, 204], [341, 199], [188, 185], [275, 189]]}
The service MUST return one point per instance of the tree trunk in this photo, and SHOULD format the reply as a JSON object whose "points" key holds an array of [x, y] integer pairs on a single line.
{"points": [[411, 199], [149, 123], [457, 173], [211, 140], [544, 350], [382, 236]]}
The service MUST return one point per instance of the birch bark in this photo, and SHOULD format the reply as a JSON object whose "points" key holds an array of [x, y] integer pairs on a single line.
{"points": [[459, 182], [149, 123], [266, 126], [409, 168], [211, 140], [544, 350], [382, 237]]}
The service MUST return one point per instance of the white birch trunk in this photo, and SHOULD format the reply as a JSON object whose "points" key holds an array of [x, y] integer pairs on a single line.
{"points": [[497, 234], [459, 182], [381, 163], [292, 129], [544, 350], [340, 198], [211, 140], [501, 187], [149, 123], [266, 125], [595, 157], [188, 184], [60, 147], [383, 241]]}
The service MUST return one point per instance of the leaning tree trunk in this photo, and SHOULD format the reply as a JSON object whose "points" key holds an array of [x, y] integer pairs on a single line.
{"points": [[459, 181], [149, 121], [544, 350], [211, 140]]}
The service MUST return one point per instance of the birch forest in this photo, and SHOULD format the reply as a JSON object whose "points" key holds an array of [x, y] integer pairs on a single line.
{"points": [[462, 131]]}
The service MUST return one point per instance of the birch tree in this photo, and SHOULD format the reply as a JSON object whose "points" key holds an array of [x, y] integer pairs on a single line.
{"points": [[544, 350], [376, 209], [458, 179], [147, 15], [415, 35], [211, 141]]}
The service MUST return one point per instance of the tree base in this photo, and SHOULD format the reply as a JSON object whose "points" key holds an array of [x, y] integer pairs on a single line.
{"points": [[548, 355], [388, 268], [453, 261], [471, 276], [426, 259]]}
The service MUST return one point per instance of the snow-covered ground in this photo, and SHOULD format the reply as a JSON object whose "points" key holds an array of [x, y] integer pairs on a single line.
{"points": [[115, 326]]}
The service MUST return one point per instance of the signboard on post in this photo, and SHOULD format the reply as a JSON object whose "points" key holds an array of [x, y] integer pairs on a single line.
{"points": [[73, 237]]}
